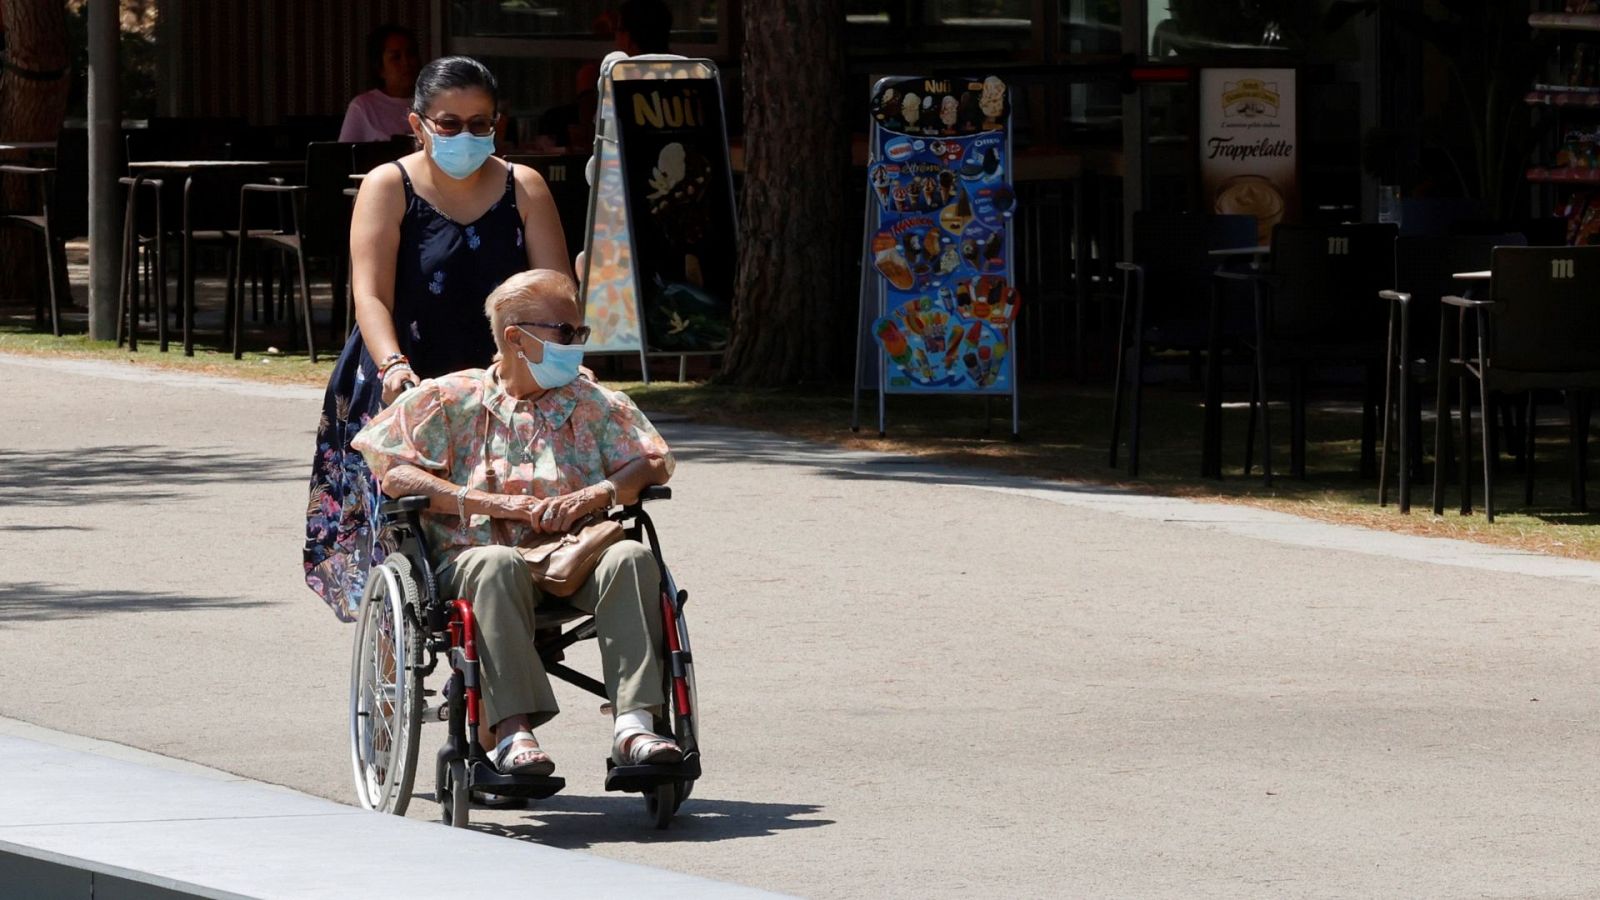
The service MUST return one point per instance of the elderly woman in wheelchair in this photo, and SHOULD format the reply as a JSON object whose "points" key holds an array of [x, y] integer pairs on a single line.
{"points": [[495, 460]]}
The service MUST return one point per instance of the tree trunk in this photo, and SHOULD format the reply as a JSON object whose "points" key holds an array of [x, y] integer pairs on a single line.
{"points": [[33, 104], [786, 293]]}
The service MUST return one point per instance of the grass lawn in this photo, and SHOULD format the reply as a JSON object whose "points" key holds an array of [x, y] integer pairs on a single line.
{"points": [[1065, 435]]}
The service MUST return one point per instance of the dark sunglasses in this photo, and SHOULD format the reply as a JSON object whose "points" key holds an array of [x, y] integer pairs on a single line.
{"points": [[570, 334], [450, 126]]}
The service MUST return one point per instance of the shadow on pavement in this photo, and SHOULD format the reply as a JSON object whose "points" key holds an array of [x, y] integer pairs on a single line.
{"points": [[571, 822], [712, 445], [121, 473], [37, 601]]}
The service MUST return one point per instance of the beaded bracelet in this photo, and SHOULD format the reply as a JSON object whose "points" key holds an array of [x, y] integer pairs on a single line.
{"points": [[392, 360]]}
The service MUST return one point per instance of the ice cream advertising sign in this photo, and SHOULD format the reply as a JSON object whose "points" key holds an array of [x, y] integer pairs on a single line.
{"points": [[1249, 162], [939, 223]]}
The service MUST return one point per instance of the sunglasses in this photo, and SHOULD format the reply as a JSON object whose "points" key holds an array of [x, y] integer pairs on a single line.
{"points": [[570, 334], [450, 126]]}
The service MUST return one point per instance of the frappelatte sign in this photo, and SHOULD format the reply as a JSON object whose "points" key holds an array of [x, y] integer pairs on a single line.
{"points": [[1248, 163]]}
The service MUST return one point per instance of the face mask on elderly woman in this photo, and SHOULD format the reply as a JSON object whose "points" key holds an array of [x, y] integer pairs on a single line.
{"points": [[559, 365]]}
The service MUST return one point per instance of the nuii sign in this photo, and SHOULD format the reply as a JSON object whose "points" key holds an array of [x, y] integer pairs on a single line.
{"points": [[1248, 164]]}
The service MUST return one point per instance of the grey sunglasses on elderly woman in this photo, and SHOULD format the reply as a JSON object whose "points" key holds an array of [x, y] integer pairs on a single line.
{"points": [[570, 334]]}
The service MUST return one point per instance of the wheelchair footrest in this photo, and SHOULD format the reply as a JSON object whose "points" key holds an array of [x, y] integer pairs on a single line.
{"points": [[484, 777], [638, 779]]}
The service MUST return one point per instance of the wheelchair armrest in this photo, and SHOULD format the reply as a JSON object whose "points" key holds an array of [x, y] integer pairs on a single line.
{"points": [[655, 492], [413, 503]]}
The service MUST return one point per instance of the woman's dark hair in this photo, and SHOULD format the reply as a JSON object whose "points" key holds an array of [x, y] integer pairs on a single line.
{"points": [[377, 40], [451, 73], [648, 22]]}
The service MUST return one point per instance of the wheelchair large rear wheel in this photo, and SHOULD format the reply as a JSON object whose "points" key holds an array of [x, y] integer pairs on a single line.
{"points": [[386, 689]]}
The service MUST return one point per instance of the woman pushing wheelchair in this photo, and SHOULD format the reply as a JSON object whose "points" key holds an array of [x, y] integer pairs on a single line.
{"points": [[508, 456]]}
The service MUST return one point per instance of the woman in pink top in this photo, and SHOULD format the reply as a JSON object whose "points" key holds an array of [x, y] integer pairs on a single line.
{"points": [[380, 113]]}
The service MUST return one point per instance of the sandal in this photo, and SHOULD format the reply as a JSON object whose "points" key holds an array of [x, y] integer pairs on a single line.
{"points": [[643, 748], [535, 762]]}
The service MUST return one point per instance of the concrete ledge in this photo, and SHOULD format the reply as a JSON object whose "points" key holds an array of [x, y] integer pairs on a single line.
{"points": [[82, 824]]}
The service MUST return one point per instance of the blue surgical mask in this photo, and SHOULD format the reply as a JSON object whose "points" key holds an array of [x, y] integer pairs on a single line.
{"points": [[462, 154], [559, 366]]}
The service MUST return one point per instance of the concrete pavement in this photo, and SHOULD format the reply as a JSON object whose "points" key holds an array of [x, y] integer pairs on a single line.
{"points": [[87, 819], [916, 681]]}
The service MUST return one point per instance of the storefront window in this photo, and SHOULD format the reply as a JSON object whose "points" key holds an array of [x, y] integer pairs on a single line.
{"points": [[1273, 28], [693, 21], [1091, 27], [875, 28]]}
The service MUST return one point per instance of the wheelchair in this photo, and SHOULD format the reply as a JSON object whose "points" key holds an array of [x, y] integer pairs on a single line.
{"points": [[405, 626]]}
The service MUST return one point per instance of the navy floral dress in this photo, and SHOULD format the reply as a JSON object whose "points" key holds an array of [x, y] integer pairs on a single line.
{"points": [[443, 273]]}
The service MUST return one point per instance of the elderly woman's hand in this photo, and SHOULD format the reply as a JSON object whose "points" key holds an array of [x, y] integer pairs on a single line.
{"points": [[549, 515], [557, 514]]}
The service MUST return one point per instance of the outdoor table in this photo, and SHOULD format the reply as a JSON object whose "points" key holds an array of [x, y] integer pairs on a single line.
{"points": [[1472, 276], [1211, 437], [27, 145], [189, 168]]}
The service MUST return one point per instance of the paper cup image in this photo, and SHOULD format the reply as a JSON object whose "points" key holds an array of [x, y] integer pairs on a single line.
{"points": [[1251, 195]]}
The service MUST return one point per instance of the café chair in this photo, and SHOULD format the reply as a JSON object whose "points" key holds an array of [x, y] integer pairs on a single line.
{"points": [[39, 215], [1164, 301], [313, 222], [1312, 310], [1535, 331], [1424, 268]]}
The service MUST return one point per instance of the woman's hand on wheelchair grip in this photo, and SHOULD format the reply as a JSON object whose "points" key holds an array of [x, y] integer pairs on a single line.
{"points": [[394, 383]]}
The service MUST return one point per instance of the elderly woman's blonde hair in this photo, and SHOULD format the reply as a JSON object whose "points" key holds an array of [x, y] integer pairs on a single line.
{"points": [[537, 294]]}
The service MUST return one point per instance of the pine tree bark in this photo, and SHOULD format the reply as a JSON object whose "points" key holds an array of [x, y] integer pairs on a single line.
{"points": [[796, 156], [33, 104]]}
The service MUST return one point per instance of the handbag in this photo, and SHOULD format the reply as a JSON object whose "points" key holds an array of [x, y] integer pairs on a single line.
{"points": [[561, 563]]}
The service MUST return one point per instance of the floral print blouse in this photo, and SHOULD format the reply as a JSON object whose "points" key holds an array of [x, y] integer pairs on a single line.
{"points": [[464, 428]]}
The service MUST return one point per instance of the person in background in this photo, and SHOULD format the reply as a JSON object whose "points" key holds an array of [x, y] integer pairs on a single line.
{"points": [[392, 64], [644, 26], [431, 235]]}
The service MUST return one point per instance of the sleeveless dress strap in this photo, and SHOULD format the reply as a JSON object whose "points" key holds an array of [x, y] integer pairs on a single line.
{"points": [[405, 177]]}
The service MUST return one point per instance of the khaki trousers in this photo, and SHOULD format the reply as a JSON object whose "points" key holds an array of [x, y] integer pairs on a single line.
{"points": [[623, 594]]}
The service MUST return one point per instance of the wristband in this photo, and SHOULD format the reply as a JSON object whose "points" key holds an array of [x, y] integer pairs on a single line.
{"points": [[461, 505], [392, 360], [611, 492]]}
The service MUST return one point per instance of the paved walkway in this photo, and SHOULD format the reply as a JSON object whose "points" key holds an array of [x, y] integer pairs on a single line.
{"points": [[84, 818], [917, 681]]}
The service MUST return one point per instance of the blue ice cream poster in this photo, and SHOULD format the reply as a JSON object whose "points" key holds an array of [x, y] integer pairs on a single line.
{"points": [[938, 172]]}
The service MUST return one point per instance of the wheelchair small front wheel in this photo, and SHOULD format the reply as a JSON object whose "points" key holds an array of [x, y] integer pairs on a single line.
{"points": [[386, 690], [455, 796], [661, 803]]}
